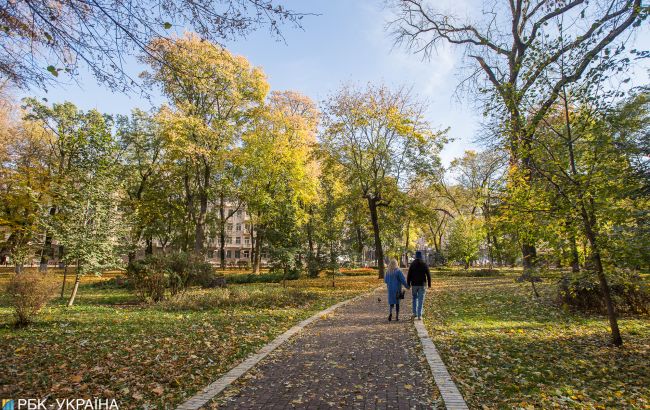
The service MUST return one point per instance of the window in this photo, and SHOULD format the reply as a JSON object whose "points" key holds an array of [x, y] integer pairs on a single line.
{"points": [[210, 254], [237, 255], [238, 227], [238, 240], [228, 254], [247, 241], [245, 254], [228, 240], [229, 227], [239, 213]]}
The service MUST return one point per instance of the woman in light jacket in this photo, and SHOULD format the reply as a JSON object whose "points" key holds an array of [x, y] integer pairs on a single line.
{"points": [[394, 279]]}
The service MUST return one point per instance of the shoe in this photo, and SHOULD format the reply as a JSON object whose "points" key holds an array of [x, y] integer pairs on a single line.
{"points": [[390, 317], [419, 317], [397, 318]]}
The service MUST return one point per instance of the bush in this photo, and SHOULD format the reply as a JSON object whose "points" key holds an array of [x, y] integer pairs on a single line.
{"points": [[358, 272], [270, 297], [475, 273], [153, 276], [150, 277], [117, 282], [29, 293], [271, 277], [582, 292]]}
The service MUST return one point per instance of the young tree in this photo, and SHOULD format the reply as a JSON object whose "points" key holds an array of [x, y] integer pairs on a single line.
{"points": [[86, 223], [583, 154], [464, 240], [380, 138]]}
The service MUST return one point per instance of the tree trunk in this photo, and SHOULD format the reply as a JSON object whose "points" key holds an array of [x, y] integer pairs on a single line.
{"points": [[46, 252], [590, 232], [528, 256], [222, 231], [359, 242], [406, 244], [148, 250], [65, 278], [575, 258], [372, 205], [258, 253], [199, 234], [75, 288]]}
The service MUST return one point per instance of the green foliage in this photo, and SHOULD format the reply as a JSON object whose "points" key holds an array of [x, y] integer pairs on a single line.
{"points": [[154, 275], [463, 241], [583, 292]]}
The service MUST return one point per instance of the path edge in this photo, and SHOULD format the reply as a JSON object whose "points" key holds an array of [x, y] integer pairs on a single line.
{"points": [[448, 390], [213, 389]]}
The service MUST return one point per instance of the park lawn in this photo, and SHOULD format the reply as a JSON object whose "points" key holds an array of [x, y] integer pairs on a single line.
{"points": [[152, 356], [506, 350]]}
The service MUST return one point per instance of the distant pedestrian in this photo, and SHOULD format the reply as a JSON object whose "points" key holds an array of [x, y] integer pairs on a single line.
{"points": [[394, 279], [416, 278]]}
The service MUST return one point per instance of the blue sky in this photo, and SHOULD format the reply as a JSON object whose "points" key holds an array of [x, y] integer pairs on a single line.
{"points": [[346, 43]]}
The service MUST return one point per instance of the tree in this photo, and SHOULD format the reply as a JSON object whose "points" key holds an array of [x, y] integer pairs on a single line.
{"points": [[87, 222], [513, 51], [40, 40], [279, 175], [583, 154], [380, 138], [214, 94], [23, 185], [465, 237], [143, 173]]}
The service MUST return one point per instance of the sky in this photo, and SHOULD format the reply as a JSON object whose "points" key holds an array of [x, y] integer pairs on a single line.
{"points": [[346, 43]]}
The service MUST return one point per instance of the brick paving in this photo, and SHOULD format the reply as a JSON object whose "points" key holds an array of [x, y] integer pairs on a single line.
{"points": [[351, 358]]}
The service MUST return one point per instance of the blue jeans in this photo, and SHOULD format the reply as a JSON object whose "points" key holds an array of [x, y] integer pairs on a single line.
{"points": [[418, 299]]}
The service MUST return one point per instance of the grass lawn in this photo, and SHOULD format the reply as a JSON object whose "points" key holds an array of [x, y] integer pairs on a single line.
{"points": [[152, 356], [506, 350]]}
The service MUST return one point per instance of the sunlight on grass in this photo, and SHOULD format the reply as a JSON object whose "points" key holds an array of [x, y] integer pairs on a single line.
{"points": [[110, 345], [505, 349]]}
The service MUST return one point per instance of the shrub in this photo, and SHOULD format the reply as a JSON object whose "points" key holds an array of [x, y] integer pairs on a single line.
{"points": [[582, 292], [29, 293], [150, 277], [153, 276], [271, 277], [476, 273], [358, 272], [270, 297], [117, 282]]}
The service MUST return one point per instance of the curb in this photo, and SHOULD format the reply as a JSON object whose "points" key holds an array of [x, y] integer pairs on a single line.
{"points": [[212, 390], [448, 390]]}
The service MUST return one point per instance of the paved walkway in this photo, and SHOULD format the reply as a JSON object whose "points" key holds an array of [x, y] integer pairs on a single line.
{"points": [[352, 358]]}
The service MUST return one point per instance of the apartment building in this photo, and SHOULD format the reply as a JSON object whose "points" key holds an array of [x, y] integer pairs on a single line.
{"points": [[239, 240]]}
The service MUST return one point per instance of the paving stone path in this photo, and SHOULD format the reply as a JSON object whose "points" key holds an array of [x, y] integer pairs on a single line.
{"points": [[352, 358]]}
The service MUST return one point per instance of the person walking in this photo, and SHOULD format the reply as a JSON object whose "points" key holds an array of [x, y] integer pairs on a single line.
{"points": [[416, 278], [394, 279]]}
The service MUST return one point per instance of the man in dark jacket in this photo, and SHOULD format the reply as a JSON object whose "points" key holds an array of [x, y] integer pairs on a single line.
{"points": [[417, 276]]}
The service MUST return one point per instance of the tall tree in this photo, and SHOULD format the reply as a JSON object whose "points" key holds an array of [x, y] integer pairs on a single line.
{"points": [[380, 138], [512, 50], [279, 174], [214, 94]]}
